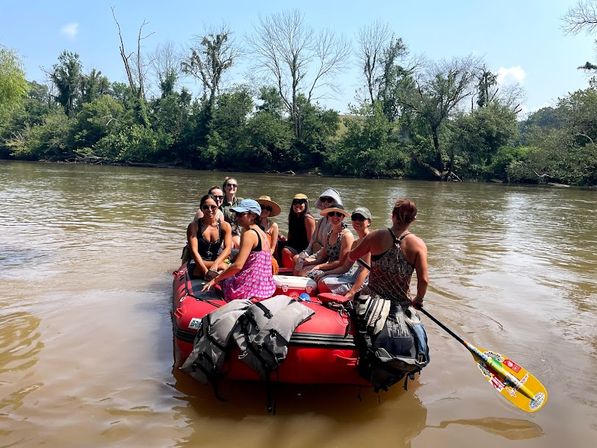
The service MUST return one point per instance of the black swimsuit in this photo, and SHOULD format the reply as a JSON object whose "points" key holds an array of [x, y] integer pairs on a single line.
{"points": [[209, 250]]}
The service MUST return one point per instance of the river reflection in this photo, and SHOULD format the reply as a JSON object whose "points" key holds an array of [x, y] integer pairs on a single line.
{"points": [[509, 428], [305, 415], [86, 255]]}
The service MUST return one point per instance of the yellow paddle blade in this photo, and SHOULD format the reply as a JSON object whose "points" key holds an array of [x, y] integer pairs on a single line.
{"points": [[512, 381]]}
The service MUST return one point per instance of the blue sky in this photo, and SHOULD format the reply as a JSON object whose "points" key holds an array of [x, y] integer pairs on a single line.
{"points": [[522, 39]]}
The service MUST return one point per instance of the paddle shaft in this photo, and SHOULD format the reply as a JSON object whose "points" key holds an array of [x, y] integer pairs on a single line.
{"points": [[495, 365]]}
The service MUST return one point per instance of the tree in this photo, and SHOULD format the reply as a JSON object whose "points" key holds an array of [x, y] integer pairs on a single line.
{"points": [[581, 17], [475, 138], [373, 43], [13, 85], [438, 93], [214, 54], [296, 59], [396, 81], [93, 86], [486, 87], [67, 76], [166, 65], [135, 71]]}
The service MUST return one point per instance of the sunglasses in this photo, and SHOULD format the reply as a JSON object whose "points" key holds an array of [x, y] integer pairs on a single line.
{"points": [[299, 201], [357, 217], [266, 208], [239, 214], [232, 185], [326, 199], [219, 198], [209, 207], [336, 214]]}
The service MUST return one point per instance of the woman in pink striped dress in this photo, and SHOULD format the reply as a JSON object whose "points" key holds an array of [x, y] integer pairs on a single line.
{"points": [[250, 276]]}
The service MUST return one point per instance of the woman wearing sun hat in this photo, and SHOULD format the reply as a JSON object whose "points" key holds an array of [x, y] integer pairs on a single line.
{"points": [[349, 278], [269, 209], [250, 276], [337, 244], [326, 199]]}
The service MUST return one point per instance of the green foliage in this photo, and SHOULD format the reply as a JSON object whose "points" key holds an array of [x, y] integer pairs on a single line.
{"points": [[50, 140], [476, 138], [369, 147], [67, 76], [416, 126], [13, 85]]}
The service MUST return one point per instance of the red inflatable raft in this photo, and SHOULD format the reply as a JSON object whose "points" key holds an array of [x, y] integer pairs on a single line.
{"points": [[321, 350]]}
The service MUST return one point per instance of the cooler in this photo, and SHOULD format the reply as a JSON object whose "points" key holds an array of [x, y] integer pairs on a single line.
{"points": [[293, 286]]}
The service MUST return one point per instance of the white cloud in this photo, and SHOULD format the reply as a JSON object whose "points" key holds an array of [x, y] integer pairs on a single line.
{"points": [[70, 30], [512, 75]]}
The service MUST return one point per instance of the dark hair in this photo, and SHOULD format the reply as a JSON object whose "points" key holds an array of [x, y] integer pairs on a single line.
{"points": [[405, 211], [205, 197], [212, 188], [296, 223]]}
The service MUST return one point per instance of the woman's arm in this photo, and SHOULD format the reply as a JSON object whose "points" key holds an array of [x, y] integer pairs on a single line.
{"points": [[347, 263], [193, 242], [417, 249], [347, 240], [227, 246], [248, 241], [361, 277], [274, 238], [310, 229]]}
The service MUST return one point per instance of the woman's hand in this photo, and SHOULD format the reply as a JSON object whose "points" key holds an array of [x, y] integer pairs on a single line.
{"points": [[211, 274], [418, 302], [208, 285]]}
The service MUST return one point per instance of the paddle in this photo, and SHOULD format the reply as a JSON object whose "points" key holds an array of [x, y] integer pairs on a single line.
{"points": [[512, 381]]}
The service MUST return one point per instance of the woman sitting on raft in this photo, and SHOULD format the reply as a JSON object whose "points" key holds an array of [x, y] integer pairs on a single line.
{"points": [[337, 244], [349, 278], [301, 225], [269, 209], [250, 276], [205, 237]]}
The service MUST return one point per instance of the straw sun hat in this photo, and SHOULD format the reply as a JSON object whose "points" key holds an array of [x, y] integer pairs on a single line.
{"points": [[267, 201], [336, 208]]}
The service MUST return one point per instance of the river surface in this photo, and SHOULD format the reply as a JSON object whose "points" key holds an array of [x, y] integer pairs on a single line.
{"points": [[86, 256]]}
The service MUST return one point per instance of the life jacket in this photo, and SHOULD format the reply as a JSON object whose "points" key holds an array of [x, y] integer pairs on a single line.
{"points": [[391, 339], [265, 329], [212, 341]]}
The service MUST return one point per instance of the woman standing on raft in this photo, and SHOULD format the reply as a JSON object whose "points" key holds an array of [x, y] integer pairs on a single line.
{"points": [[395, 254]]}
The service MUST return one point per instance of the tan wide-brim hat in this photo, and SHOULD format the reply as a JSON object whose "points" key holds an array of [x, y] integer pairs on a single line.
{"points": [[335, 208], [266, 200]]}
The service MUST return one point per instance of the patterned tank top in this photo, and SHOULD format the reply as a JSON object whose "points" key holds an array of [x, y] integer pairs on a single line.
{"points": [[333, 250], [391, 273]]}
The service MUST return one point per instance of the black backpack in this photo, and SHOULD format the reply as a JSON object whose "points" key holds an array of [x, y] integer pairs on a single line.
{"points": [[392, 342]]}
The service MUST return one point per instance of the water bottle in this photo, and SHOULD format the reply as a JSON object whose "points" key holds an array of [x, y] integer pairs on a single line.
{"points": [[304, 297]]}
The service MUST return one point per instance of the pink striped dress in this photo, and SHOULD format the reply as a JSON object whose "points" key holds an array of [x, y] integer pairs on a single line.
{"points": [[255, 279]]}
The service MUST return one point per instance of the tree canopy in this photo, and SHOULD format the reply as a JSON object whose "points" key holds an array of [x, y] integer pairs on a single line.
{"points": [[411, 118]]}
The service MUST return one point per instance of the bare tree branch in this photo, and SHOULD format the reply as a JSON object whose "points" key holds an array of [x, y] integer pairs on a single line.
{"points": [[583, 16], [373, 41], [296, 59]]}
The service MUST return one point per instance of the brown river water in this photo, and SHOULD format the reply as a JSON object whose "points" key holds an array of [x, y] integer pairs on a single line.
{"points": [[86, 256]]}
